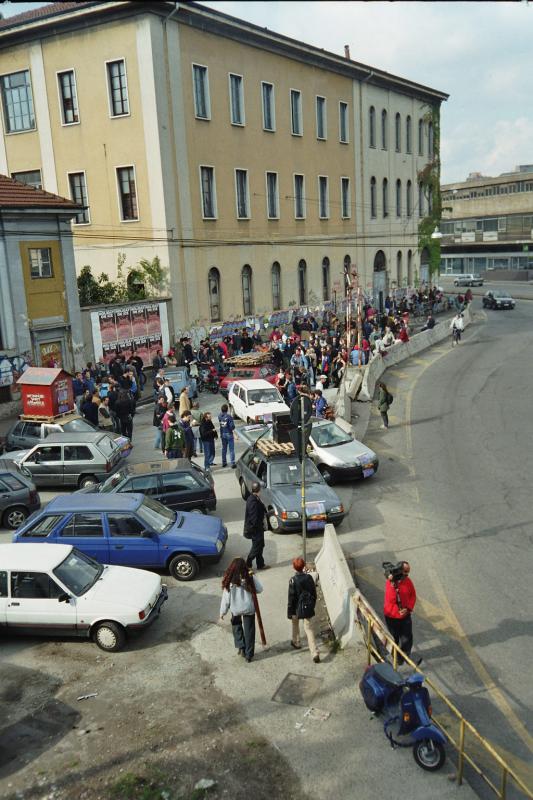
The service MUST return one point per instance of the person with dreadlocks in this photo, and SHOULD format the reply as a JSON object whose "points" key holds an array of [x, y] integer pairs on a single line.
{"points": [[238, 590]]}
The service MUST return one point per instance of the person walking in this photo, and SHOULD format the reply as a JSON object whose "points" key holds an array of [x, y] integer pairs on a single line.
{"points": [[398, 606], [208, 435], [238, 589], [227, 426], [174, 438], [301, 605], [254, 527], [384, 402]]}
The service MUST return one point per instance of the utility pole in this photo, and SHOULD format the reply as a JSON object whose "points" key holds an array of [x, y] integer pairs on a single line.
{"points": [[303, 451]]}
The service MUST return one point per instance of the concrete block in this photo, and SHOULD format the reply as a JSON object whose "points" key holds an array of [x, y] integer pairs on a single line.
{"points": [[337, 587]]}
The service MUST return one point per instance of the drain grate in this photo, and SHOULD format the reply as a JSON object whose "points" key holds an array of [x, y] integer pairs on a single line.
{"points": [[297, 690]]}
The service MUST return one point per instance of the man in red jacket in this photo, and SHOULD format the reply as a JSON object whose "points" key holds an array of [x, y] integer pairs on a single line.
{"points": [[400, 599]]}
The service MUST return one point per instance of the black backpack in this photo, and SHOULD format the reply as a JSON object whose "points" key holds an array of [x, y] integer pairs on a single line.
{"points": [[305, 607], [390, 398]]}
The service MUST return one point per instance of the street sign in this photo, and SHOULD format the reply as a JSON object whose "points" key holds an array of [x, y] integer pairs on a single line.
{"points": [[295, 435], [299, 405]]}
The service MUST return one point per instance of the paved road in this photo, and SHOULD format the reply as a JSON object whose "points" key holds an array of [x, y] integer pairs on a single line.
{"points": [[453, 497], [518, 289]]}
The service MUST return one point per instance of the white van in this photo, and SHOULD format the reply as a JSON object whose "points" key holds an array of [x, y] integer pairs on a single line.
{"points": [[468, 279]]}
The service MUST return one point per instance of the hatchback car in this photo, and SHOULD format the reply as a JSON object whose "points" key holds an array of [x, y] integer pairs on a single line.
{"points": [[498, 298], [27, 433], [179, 377], [280, 479], [129, 530], [266, 372], [255, 401], [18, 496], [76, 459], [59, 591], [177, 483]]}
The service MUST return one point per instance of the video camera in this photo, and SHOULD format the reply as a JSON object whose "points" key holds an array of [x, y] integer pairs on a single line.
{"points": [[394, 571]]}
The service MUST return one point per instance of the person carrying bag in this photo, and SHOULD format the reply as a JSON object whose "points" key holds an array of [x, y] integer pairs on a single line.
{"points": [[239, 596], [301, 605]]}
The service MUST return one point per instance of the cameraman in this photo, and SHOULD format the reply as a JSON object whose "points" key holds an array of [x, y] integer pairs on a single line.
{"points": [[400, 599]]}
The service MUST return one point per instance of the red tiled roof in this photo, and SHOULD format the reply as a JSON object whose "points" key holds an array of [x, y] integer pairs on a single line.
{"points": [[49, 10], [14, 194]]}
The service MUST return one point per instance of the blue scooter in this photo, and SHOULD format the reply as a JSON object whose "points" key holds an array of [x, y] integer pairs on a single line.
{"points": [[406, 705]]}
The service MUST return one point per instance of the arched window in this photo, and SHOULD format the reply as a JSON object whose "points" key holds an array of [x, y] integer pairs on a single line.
{"points": [[398, 132], [373, 199], [409, 199], [372, 125], [409, 268], [325, 278], [420, 137], [384, 131], [276, 286], [385, 197], [399, 267], [246, 281], [430, 140], [213, 280], [420, 200], [408, 135], [302, 282], [398, 198]]}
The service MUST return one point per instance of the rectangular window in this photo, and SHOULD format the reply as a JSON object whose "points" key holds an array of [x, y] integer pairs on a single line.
{"points": [[207, 182], [78, 192], [31, 178], [68, 97], [321, 124], [343, 123], [202, 106], [236, 95], [299, 199], [118, 88], [269, 112], [345, 198], [323, 198], [40, 262], [17, 100], [296, 112], [272, 195], [241, 189], [128, 193]]}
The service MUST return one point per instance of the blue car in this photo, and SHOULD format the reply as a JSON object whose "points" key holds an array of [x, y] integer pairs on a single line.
{"points": [[179, 377], [129, 530]]}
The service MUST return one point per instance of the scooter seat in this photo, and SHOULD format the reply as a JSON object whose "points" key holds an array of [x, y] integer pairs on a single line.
{"points": [[387, 674]]}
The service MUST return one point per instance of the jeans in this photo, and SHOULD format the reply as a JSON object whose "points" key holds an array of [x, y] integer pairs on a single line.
{"points": [[158, 439], [385, 418], [209, 453], [227, 441], [198, 443], [243, 628], [174, 454], [256, 551]]}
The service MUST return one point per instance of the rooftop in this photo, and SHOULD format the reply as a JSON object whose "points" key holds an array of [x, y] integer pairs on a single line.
{"points": [[28, 556], [40, 376], [15, 194], [127, 502]]}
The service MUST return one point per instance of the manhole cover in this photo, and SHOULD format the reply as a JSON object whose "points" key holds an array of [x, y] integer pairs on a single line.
{"points": [[297, 690]]}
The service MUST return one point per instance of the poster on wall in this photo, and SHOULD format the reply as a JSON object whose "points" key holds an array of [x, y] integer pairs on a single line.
{"points": [[139, 329]]}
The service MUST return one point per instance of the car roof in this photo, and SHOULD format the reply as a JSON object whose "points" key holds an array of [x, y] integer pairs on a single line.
{"points": [[27, 557], [254, 383], [76, 438], [147, 467], [100, 502]]}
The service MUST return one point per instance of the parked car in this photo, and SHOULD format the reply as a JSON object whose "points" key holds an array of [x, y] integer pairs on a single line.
{"points": [[255, 400], [18, 496], [27, 433], [75, 459], [498, 298], [280, 480], [129, 530], [337, 454], [468, 279], [179, 377], [59, 591], [178, 483], [266, 372]]}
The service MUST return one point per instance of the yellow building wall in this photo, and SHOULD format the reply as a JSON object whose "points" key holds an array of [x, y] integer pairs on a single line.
{"points": [[22, 148], [45, 297]]}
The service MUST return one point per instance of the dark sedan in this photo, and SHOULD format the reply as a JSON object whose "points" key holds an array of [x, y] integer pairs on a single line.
{"points": [[497, 298]]}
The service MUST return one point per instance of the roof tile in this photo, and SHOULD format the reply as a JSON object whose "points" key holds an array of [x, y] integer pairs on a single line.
{"points": [[15, 194], [49, 10]]}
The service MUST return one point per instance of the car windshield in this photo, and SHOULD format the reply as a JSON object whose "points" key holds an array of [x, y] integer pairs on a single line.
{"points": [[500, 294], [264, 396], [156, 516], [78, 572], [330, 435], [289, 472], [79, 426], [111, 483]]}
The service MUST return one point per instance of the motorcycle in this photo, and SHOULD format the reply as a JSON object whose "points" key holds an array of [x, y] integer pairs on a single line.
{"points": [[208, 380], [406, 706]]}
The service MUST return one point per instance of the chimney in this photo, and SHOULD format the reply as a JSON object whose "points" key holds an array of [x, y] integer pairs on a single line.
{"points": [[347, 51]]}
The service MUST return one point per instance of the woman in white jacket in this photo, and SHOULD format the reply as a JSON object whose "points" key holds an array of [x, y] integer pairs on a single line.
{"points": [[238, 588]]}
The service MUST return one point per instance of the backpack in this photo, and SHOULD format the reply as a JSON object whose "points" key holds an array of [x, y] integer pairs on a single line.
{"points": [[390, 398], [305, 608]]}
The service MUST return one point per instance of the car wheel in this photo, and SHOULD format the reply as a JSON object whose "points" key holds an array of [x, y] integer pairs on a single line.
{"points": [[87, 480], [456, 283], [183, 567], [110, 636], [14, 517], [326, 474], [197, 510], [232, 412], [273, 522], [245, 494]]}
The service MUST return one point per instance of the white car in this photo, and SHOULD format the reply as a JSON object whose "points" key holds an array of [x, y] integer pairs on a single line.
{"points": [[57, 590], [255, 400]]}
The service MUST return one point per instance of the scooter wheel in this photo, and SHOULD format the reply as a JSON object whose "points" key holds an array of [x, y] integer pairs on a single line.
{"points": [[429, 755]]}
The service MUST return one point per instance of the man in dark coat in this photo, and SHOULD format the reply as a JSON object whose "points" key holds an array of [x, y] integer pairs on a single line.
{"points": [[254, 528]]}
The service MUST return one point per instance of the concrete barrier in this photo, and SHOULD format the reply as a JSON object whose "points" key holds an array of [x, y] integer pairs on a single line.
{"points": [[337, 586]]}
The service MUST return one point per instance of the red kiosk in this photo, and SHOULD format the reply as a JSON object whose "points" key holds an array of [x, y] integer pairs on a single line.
{"points": [[46, 392]]}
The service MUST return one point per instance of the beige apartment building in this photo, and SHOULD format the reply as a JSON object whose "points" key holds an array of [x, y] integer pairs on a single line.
{"points": [[258, 168]]}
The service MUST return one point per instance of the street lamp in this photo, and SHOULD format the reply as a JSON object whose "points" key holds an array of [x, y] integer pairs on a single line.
{"points": [[436, 233]]}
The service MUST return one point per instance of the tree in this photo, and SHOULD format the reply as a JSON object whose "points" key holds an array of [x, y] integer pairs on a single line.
{"points": [[147, 279]]}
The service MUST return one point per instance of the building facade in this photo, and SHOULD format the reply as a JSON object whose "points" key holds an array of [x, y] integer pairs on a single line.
{"points": [[487, 223], [256, 167]]}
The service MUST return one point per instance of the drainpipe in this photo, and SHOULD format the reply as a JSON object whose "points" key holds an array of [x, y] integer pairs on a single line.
{"points": [[11, 342], [361, 168]]}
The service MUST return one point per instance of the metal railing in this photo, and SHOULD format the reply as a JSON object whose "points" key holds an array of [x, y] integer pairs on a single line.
{"points": [[379, 645]]}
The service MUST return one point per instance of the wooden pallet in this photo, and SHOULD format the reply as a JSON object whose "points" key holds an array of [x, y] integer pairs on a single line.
{"points": [[254, 359], [46, 418], [274, 448]]}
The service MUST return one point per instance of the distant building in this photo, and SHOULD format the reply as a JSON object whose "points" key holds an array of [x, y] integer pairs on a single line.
{"points": [[487, 223]]}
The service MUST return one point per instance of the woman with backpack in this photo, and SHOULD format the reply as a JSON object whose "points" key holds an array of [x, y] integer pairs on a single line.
{"points": [[384, 402], [239, 596], [301, 605]]}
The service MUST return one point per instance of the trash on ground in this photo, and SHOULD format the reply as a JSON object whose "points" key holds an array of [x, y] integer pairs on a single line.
{"points": [[87, 696], [205, 783], [316, 713]]}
